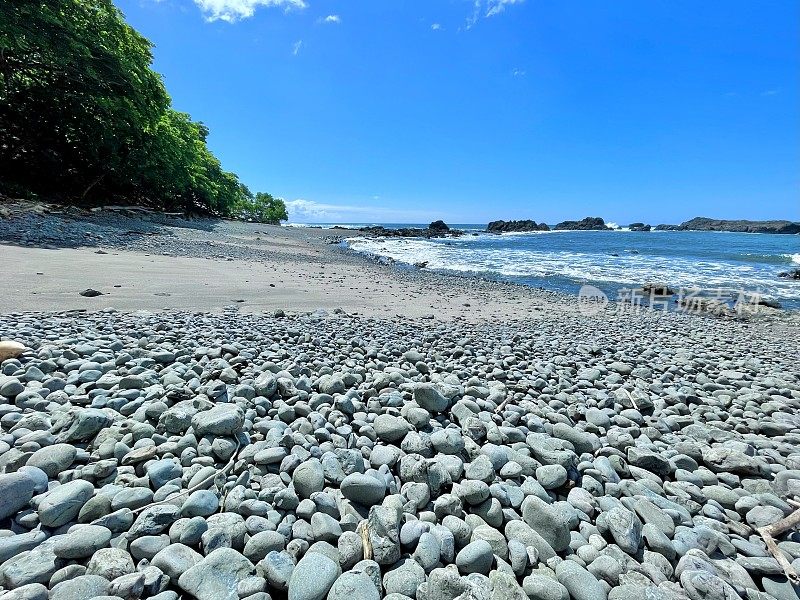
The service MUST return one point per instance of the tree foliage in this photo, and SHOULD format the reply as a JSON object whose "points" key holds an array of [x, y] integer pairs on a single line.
{"points": [[84, 117], [263, 208]]}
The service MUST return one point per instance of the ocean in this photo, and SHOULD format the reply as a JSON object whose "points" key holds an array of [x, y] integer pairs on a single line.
{"points": [[719, 263]]}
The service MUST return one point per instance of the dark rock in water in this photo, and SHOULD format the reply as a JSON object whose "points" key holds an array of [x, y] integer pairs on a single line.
{"points": [[741, 226], [516, 226], [770, 302], [754, 302], [90, 293], [657, 289], [639, 227], [434, 230], [421, 265], [793, 274], [587, 224], [384, 260]]}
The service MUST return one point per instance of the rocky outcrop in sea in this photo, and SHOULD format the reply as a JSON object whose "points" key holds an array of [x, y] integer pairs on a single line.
{"points": [[740, 226], [791, 274], [587, 224], [516, 226], [437, 229]]}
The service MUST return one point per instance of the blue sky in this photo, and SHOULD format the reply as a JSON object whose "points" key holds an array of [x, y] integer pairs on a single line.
{"points": [[474, 110]]}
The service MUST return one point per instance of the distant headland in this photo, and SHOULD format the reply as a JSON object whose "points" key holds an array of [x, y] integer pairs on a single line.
{"points": [[696, 224], [739, 226]]}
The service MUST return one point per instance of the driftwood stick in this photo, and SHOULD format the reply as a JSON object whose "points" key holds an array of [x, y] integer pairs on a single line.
{"points": [[777, 528], [365, 541], [636, 406], [502, 405], [198, 485]]}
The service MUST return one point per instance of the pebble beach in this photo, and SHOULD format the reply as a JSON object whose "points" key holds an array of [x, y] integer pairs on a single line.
{"points": [[255, 413]]}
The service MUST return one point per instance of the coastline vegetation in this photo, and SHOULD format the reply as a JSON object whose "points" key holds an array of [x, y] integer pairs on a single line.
{"points": [[84, 118]]}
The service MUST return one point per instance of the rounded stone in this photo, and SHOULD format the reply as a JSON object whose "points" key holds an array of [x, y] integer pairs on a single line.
{"points": [[82, 541], [200, 503], [53, 459], [313, 577], [551, 476], [63, 504], [548, 522], [363, 489], [352, 586], [308, 477], [390, 428], [475, 557]]}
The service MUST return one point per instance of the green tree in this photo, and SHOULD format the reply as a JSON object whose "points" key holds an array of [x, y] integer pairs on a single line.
{"points": [[76, 92], [262, 207], [84, 117]]}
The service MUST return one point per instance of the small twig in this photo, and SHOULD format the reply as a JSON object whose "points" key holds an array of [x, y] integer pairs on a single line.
{"points": [[502, 405], [778, 528], [365, 541], [636, 406]]}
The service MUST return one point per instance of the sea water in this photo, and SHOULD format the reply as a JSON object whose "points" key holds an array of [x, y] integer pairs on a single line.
{"points": [[719, 263]]}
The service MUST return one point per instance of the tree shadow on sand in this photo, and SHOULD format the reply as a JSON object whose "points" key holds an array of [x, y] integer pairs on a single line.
{"points": [[56, 227]]}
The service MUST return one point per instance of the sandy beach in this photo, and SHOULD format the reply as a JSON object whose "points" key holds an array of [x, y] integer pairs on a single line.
{"points": [[254, 267]]}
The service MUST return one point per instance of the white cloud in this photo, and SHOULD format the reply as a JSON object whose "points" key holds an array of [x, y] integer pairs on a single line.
{"points": [[518, 72], [495, 7], [235, 10], [296, 47], [309, 211], [476, 13], [488, 8], [436, 26], [332, 19], [770, 92]]}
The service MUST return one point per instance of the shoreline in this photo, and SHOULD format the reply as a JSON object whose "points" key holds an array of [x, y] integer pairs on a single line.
{"points": [[168, 263], [269, 267], [395, 251]]}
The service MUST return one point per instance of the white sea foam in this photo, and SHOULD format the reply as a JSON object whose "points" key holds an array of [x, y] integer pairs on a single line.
{"points": [[795, 258], [326, 225], [626, 269]]}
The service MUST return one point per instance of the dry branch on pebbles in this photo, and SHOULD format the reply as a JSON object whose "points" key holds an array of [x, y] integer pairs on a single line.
{"points": [[227, 456]]}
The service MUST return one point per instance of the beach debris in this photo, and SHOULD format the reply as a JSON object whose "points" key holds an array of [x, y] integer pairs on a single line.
{"points": [[91, 293], [657, 289], [10, 349], [770, 531]]}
